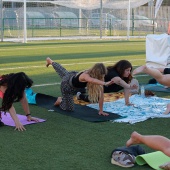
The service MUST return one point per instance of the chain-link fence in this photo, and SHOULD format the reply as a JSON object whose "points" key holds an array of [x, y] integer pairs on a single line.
{"points": [[47, 20]]}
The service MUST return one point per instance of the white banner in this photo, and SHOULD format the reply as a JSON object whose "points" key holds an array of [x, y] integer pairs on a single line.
{"points": [[157, 6]]}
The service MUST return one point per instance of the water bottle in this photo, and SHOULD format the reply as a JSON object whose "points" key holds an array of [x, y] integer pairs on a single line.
{"points": [[142, 91]]}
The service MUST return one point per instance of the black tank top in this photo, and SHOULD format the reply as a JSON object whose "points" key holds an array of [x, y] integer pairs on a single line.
{"points": [[76, 83]]}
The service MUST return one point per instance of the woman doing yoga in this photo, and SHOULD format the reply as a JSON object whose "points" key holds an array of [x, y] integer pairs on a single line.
{"points": [[92, 78]]}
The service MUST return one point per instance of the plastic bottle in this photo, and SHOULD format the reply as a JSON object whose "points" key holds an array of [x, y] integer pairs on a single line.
{"points": [[142, 91]]}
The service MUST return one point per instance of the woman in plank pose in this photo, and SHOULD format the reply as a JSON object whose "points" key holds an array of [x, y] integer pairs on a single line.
{"points": [[12, 87], [120, 74], [92, 78]]}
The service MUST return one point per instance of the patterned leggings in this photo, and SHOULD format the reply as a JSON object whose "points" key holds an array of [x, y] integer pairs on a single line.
{"points": [[66, 89]]}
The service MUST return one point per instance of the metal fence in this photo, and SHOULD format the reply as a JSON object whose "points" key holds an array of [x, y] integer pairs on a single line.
{"points": [[47, 23]]}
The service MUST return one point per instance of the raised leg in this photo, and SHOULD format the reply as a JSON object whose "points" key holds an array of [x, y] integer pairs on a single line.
{"points": [[57, 67], [155, 142], [155, 73]]}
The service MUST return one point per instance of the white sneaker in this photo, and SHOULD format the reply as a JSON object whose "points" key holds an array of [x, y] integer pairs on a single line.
{"points": [[78, 95]]}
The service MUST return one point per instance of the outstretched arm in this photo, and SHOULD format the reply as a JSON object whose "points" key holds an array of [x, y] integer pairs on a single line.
{"points": [[26, 109], [18, 125], [84, 77], [119, 81]]}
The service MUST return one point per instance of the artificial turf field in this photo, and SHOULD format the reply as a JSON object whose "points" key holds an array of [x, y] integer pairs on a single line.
{"points": [[63, 142]]}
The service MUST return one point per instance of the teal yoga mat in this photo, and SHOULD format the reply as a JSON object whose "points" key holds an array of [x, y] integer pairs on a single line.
{"points": [[157, 88], [154, 159]]}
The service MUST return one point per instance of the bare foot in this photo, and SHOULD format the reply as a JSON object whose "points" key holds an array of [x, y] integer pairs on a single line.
{"points": [[139, 70], [103, 114], [167, 109], [58, 101], [48, 61], [134, 139]]}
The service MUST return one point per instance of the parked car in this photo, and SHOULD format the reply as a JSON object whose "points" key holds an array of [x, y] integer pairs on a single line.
{"points": [[107, 20], [144, 21], [66, 19], [140, 21]]}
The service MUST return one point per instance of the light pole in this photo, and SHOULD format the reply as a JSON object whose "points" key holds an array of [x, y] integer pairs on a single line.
{"points": [[101, 12], [25, 22]]}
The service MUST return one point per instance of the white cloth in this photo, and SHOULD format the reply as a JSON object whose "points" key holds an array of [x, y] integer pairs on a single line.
{"points": [[157, 50]]}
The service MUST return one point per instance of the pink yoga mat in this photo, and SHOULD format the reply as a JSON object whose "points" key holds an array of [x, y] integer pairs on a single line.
{"points": [[7, 120]]}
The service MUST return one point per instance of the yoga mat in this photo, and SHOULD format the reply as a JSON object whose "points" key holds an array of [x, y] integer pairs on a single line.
{"points": [[1, 95], [157, 88], [154, 159], [80, 111], [7, 120]]}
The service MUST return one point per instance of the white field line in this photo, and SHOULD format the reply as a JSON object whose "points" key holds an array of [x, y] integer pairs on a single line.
{"points": [[49, 84], [28, 67], [55, 46]]}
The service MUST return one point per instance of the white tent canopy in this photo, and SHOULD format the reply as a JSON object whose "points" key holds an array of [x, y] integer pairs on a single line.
{"points": [[92, 4]]}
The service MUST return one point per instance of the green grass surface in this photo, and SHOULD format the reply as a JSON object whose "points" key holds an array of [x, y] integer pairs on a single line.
{"points": [[63, 142]]}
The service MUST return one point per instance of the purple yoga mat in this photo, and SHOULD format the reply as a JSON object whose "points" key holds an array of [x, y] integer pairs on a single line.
{"points": [[7, 120]]}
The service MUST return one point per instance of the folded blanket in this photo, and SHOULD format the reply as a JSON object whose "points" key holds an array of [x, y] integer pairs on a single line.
{"points": [[108, 97], [143, 109]]}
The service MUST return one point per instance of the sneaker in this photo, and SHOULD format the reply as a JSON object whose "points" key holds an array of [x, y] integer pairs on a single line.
{"points": [[78, 95], [123, 159]]}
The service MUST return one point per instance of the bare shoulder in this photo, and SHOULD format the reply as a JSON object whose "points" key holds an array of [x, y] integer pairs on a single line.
{"points": [[84, 76]]}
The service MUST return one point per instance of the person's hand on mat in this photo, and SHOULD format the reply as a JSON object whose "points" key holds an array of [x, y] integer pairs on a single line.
{"points": [[103, 113], [19, 126], [29, 118], [129, 104]]}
